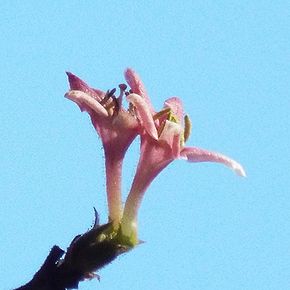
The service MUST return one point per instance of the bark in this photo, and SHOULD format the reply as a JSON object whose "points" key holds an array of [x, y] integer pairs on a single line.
{"points": [[86, 254]]}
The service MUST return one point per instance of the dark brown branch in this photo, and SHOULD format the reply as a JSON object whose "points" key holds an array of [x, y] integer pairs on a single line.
{"points": [[86, 254], [45, 278]]}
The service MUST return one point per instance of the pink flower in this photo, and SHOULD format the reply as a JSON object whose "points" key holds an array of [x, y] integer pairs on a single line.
{"points": [[163, 136], [117, 128], [162, 141]]}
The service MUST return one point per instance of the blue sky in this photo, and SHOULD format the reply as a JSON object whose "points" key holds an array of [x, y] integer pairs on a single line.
{"points": [[204, 227]]}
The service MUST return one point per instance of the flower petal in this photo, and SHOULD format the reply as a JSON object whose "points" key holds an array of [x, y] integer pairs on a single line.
{"points": [[171, 134], [77, 84], [144, 114], [176, 106], [194, 154], [87, 102], [137, 86]]}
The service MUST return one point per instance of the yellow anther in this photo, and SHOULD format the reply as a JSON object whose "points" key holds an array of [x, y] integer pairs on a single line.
{"points": [[172, 117], [187, 128], [162, 113]]}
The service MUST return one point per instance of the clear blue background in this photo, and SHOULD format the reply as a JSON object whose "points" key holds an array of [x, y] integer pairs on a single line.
{"points": [[205, 228]]}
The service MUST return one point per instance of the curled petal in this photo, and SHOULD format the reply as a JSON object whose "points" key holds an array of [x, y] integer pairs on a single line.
{"points": [[171, 134], [144, 114], [77, 84], [176, 107], [87, 102], [194, 154], [137, 86]]}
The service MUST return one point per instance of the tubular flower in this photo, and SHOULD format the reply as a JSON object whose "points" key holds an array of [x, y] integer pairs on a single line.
{"points": [[117, 128], [163, 138]]}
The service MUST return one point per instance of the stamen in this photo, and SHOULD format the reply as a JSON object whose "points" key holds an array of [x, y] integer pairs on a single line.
{"points": [[122, 87], [163, 113], [117, 107], [187, 128], [105, 99], [108, 95], [114, 105], [112, 92], [172, 117]]}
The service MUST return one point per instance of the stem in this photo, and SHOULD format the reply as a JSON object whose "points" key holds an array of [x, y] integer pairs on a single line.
{"points": [[113, 182]]}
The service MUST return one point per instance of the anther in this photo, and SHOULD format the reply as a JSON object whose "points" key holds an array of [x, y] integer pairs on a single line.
{"points": [[163, 113], [108, 95], [105, 99], [187, 127], [114, 104], [123, 87], [112, 92], [116, 107]]}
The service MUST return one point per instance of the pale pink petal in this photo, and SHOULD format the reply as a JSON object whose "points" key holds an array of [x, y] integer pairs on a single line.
{"points": [[194, 154], [76, 84], [87, 102], [144, 114], [137, 86], [176, 106], [171, 134]]}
